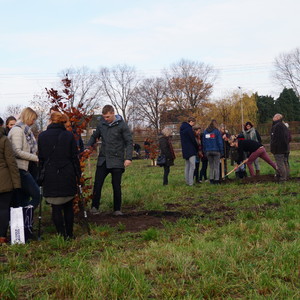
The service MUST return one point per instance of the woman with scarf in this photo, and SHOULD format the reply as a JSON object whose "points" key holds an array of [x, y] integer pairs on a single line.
{"points": [[25, 148], [166, 149], [250, 133]]}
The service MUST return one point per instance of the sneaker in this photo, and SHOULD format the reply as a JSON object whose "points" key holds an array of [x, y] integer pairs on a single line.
{"points": [[117, 213], [94, 211]]}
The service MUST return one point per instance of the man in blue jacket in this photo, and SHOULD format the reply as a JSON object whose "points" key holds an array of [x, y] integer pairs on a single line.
{"points": [[189, 148], [114, 156]]}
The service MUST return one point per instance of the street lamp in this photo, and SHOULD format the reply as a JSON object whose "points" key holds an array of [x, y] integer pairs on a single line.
{"points": [[242, 110]]}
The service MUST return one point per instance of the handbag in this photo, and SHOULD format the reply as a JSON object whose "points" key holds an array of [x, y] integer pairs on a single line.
{"points": [[161, 160]]}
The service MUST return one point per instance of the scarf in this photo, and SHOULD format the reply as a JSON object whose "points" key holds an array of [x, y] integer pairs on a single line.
{"points": [[29, 137], [250, 134]]}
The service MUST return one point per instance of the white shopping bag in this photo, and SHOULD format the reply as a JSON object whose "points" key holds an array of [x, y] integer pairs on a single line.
{"points": [[17, 225]]}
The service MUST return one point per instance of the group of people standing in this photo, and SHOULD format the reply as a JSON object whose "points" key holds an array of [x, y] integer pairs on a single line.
{"points": [[22, 161], [51, 160], [215, 144]]}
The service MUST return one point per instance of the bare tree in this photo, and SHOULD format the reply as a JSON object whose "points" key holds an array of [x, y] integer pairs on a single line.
{"points": [[85, 88], [12, 110], [189, 84], [287, 70], [119, 85], [41, 105], [150, 101]]}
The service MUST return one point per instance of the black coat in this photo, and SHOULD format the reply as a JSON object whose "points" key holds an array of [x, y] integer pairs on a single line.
{"points": [[188, 141], [57, 151], [279, 138], [166, 149]]}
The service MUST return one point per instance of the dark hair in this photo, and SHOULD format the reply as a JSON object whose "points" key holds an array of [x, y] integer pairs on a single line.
{"points": [[1, 121], [10, 118], [248, 123], [212, 124], [107, 109]]}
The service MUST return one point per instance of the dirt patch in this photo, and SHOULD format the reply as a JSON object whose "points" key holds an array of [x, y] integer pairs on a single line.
{"points": [[136, 221], [258, 179]]}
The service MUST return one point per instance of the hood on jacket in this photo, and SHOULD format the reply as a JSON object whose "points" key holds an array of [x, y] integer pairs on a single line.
{"points": [[184, 126], [116, 120]]}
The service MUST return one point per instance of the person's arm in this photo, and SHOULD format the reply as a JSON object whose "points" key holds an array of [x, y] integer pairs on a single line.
{"points": [[94, 137], [16, 135], [220, 143], [258, 136], [75, 159], [12, 165], [128, 143]]}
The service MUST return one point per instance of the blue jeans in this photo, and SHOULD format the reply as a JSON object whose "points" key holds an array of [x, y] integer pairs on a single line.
{"points": [[29, 189]]}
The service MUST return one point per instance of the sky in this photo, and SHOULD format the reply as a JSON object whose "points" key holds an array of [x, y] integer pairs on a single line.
{"points": [[240, 38]]}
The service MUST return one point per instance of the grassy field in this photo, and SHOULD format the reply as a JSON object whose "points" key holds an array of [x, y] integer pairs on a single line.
{"points": [[237, 241]]}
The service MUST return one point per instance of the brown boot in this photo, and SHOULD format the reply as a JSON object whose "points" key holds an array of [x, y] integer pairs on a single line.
{"points": [[257, 172]]}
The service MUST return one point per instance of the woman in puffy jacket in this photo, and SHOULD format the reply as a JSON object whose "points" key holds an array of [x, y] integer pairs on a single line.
{"points": [[10, 180], [25, 148], [58, 155]]}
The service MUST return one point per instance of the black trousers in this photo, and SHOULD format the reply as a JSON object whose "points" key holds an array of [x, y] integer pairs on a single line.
{"points": [[63, 218], [116, 177], [203, 170], [5, 200], [166, 174]]}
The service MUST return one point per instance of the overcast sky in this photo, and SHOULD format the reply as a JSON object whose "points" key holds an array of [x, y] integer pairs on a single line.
{"points": [[241, 38]]}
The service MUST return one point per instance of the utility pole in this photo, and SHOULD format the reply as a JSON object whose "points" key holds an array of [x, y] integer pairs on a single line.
{"points": [[242, 109]]}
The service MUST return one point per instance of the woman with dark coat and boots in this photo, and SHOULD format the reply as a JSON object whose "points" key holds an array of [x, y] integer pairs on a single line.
{"points": [[60, 171], [166, 149], [10, 180]]}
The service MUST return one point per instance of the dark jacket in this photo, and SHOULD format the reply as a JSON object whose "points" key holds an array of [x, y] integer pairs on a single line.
{"points": [[116, 143], [166, 149], [279, 138], [9, 172], [57, 151], [188, 142], [248, 146], [212, 141]]}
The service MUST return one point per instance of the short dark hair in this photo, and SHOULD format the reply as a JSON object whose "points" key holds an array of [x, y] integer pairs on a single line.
{"points": [[1, 121], [107, 108]]}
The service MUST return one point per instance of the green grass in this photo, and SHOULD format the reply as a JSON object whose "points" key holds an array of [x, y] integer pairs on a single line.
{"points": [[238, 242]]}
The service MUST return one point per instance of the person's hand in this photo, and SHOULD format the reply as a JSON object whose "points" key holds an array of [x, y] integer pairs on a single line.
{"points": [[127, 163]]}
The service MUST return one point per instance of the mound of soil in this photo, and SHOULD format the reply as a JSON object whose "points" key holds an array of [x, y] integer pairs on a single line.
{"points": [[136, 221]]}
